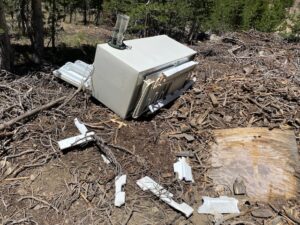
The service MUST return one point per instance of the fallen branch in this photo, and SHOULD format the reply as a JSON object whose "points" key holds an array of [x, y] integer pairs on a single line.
{"points": [[30, 113]]}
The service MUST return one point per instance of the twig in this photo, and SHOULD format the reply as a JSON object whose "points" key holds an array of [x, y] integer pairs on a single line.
{"points": [[30, 113]]}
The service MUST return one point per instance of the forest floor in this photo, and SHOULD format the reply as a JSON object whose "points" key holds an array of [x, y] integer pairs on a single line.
{"points": [[243, 80]]}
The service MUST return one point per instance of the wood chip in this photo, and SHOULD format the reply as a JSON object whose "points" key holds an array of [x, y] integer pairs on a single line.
{"points": [[213, 99]]}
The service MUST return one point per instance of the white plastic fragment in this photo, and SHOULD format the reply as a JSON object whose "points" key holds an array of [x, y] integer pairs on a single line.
{"points": [[105, 159], [183, 170], [80, 126], [120, 195], [146, 183], [76, 140], [220, 205], [77, 73], [83, 138]]}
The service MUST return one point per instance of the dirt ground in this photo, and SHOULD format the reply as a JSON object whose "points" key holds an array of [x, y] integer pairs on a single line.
{"points": [[255, 79]]}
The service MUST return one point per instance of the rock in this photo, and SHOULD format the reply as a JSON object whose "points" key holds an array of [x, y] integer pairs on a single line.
{"points": [[262, 213], [239, 187]]}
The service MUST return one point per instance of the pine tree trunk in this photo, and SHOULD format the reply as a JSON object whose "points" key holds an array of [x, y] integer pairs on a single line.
{"points": [[53, 24], [5, 47], [85, 12], [99, 10], [23, 16], [38, 28]]}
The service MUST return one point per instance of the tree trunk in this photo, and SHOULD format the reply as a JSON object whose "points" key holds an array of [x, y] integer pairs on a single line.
{"points": [[53, 24], [71, 16], [5, 47], [99, 10], [23, 16], [38, 28], [85, 13]]}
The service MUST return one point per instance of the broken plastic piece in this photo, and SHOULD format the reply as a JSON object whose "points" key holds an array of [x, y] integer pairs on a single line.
{"points": [[183, 170], [80, 126], [146, 183], [120, 181], [76, 140], [220, 205], [105, 159], [83, 138], [77, 73]]}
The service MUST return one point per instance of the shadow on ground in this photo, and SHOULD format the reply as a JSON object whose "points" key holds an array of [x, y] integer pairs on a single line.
{"points": [[24, 57]]}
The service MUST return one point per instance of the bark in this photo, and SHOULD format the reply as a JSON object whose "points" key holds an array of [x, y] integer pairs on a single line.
{"points": [[5, 47], [38, 28]]}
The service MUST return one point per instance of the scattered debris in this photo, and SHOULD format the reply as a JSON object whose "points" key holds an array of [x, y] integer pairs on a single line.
{"points": [[120, 181], [267, 97], [83, 138], [219, 205], [146, 183], [183, 170]]}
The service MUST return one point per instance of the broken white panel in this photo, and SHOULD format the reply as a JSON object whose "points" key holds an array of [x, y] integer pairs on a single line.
{"points": [[220, 205], [77, 73], [183, 170], [120, 195], [146, 183], [80, 126], [76, 140]]}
